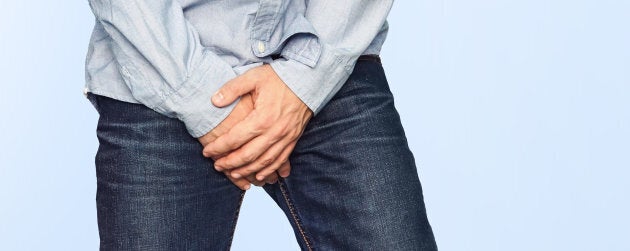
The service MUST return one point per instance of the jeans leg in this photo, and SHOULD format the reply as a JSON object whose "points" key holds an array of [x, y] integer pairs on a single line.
{"points": [[155, 191], [354, 183]]}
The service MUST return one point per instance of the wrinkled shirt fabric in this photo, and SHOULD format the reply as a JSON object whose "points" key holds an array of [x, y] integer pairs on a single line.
{"points": [[173, 55]]}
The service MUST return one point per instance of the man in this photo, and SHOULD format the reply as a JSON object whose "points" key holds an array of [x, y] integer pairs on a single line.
{"points": [[258, 90]]}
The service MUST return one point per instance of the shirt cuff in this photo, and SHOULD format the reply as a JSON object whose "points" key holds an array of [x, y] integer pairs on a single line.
{"points": [[315, 85], [191, 101]]}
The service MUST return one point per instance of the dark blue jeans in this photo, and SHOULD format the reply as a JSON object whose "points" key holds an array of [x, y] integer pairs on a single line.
{"points": [[353, 183]]}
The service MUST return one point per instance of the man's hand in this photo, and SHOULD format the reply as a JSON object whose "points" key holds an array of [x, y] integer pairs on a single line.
{"points": [[242, 109], [262, 142]]}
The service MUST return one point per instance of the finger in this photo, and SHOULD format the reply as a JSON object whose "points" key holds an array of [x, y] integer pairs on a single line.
{"points": [[248, 152], [231, 90], [266, 159], [252, 179], [272, 178], [238, 135], [284, 170], [281, 162], [242, 183], [273, 170]]}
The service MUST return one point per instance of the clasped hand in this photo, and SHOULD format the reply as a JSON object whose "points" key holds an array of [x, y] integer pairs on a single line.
{"points": [[260, 133]]}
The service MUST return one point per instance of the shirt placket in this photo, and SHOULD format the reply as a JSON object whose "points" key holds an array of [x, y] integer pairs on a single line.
{"points": [[264, 25]]}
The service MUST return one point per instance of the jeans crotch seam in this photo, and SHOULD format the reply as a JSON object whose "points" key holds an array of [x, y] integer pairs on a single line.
{"points": [[294, 215], [235, 219]]}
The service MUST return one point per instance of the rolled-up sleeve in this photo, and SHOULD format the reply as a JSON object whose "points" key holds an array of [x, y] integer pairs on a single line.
{"points": [[162, 61], [344, 31]]}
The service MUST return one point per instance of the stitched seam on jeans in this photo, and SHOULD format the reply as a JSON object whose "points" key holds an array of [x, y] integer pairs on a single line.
{"points": [[235, 219], [296, 219]]}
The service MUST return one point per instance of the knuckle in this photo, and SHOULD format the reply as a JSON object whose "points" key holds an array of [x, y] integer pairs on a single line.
{"points": [[279, 134], [266, 122], [263, 125], [231, 144], [233, 162], [227, 164], [210, 151], [247, 157], [266, 162], [257, 130]]}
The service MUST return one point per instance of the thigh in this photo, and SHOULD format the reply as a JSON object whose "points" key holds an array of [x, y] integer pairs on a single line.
{"points": [[155, 191], [354, 183]]}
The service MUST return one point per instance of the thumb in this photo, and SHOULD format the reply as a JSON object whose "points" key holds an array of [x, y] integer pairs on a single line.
{"points": [[231, 90]]}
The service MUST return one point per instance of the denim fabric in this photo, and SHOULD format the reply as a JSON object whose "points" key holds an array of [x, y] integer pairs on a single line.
{"points": [[353, 184], [172, 55], [155, 191]]}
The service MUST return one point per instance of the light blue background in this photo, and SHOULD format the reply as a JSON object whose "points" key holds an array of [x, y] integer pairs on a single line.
{"points": [[517, 112]]}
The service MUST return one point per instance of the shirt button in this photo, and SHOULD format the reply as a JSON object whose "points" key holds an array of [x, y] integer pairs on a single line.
{"points": [[85, 91], [261, 47]]}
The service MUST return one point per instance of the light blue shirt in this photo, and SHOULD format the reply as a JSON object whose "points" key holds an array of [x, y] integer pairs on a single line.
{"points": [[173, 55]]}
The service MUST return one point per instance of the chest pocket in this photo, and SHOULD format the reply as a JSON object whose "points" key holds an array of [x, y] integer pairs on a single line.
{"points": [[281, 28]]}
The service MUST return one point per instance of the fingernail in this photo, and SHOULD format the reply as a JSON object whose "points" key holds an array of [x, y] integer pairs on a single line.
{"points": [[218, 96], [218, 168], [246, 187], [236, 175], [260, 178]]}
